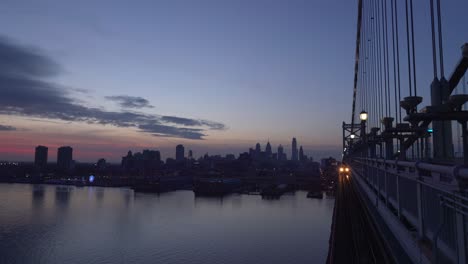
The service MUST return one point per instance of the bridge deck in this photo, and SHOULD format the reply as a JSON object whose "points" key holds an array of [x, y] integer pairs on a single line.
{"points": [[355, 238]]}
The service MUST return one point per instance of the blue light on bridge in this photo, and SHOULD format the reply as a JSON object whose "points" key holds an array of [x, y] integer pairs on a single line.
{"points": [[430, 130], [91, 178]]}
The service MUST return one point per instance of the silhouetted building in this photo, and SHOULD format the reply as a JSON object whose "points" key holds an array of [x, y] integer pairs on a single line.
{"points": [[268, 151], [294, 154], [127, 161], [258, 149], [40, 157], [180, 153], [301, 154], [281, 154], [65, 158], [190, 154], [101, 164]]}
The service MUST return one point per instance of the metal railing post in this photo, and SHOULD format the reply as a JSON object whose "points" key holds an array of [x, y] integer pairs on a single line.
{"points": [[419, 200]]}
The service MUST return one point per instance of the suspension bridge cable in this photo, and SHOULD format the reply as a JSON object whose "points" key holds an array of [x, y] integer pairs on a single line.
{"points": [[379, 96], [434, 52], [374, 84], [387, 59], [441, 52], [398, 57], [414, 54], [383, 87], [394, 61], [408, 50], [356, 64]]}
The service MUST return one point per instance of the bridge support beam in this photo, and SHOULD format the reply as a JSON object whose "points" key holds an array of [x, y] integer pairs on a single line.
{"points": [[388, 124], [442, 135]]}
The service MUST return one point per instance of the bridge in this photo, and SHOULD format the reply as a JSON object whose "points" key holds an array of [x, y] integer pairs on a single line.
{"points": [[404, 195]]}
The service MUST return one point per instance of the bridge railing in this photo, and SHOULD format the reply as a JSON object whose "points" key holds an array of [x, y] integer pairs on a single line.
{"points": [[428, 199]]}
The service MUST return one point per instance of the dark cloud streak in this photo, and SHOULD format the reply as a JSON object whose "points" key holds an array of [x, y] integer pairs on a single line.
{"points": [[7, 128], [126, 101]]}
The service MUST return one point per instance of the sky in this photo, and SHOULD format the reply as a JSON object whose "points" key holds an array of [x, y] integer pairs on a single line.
{"points": [[218, 76]]}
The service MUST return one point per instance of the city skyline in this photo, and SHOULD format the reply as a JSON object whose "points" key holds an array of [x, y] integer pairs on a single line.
{"points": [[42, 155]]}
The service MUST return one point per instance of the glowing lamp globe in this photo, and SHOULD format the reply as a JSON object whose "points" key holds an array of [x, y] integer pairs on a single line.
{"points": [[363, 116]]}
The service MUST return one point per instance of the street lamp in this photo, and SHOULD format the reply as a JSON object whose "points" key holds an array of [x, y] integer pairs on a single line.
{"points": [[363, 116]]}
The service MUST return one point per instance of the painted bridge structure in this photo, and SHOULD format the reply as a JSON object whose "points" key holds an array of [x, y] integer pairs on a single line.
{"points": [[404, 199]]}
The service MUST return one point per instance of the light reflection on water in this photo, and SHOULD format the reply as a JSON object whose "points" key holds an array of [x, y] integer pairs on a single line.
{"points": [[67, 224]]}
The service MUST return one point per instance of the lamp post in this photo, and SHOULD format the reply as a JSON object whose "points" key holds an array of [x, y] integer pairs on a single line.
{"points": [[363, 116]]}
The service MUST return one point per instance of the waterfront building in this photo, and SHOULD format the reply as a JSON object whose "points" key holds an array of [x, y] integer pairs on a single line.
{"points": [[65, 157], [294, 154], [40, 156], [268, 150], [180, 153]]}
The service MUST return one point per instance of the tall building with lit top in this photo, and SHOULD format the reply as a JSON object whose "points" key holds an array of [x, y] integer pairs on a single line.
{"points": [[294, 154]]}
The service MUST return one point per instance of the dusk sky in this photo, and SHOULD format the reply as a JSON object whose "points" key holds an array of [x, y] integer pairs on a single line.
{"points": [[218, 76]]}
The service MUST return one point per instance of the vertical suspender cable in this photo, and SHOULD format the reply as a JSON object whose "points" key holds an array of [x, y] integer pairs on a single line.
{"points": [[434, 53], [398, 57], [408, 49], [372, 66], [394, 62], [387, 60], [414, 55], [379, 64], [441, 52]]}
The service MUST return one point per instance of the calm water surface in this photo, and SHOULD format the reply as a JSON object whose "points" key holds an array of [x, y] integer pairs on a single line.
{"points": [[60, 224]]}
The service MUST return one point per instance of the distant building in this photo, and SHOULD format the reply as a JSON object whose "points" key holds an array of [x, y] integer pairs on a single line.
{"points": [[281, 154], [301, 154], [65, 158], [258, 149], [101, 164], [268, 151], [180, 153], [190, 154], [127, 161], [230, 157], [294, 154], [40, 157]]}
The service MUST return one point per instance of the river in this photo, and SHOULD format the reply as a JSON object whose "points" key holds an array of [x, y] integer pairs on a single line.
{"points": [[68, 224]]}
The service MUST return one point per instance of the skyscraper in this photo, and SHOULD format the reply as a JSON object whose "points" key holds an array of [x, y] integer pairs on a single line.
{"points": [[64, 158], [301, 154], [190, 154], [40, 157], [280, 152], [268, 151], [258, 149], [294, 150], [180, 153]]}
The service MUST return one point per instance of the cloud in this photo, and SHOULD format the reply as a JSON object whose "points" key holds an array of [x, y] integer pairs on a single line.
{"points": [[24, 92], [193, 122], [171, 131], [7, 128], [126, 101]]}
